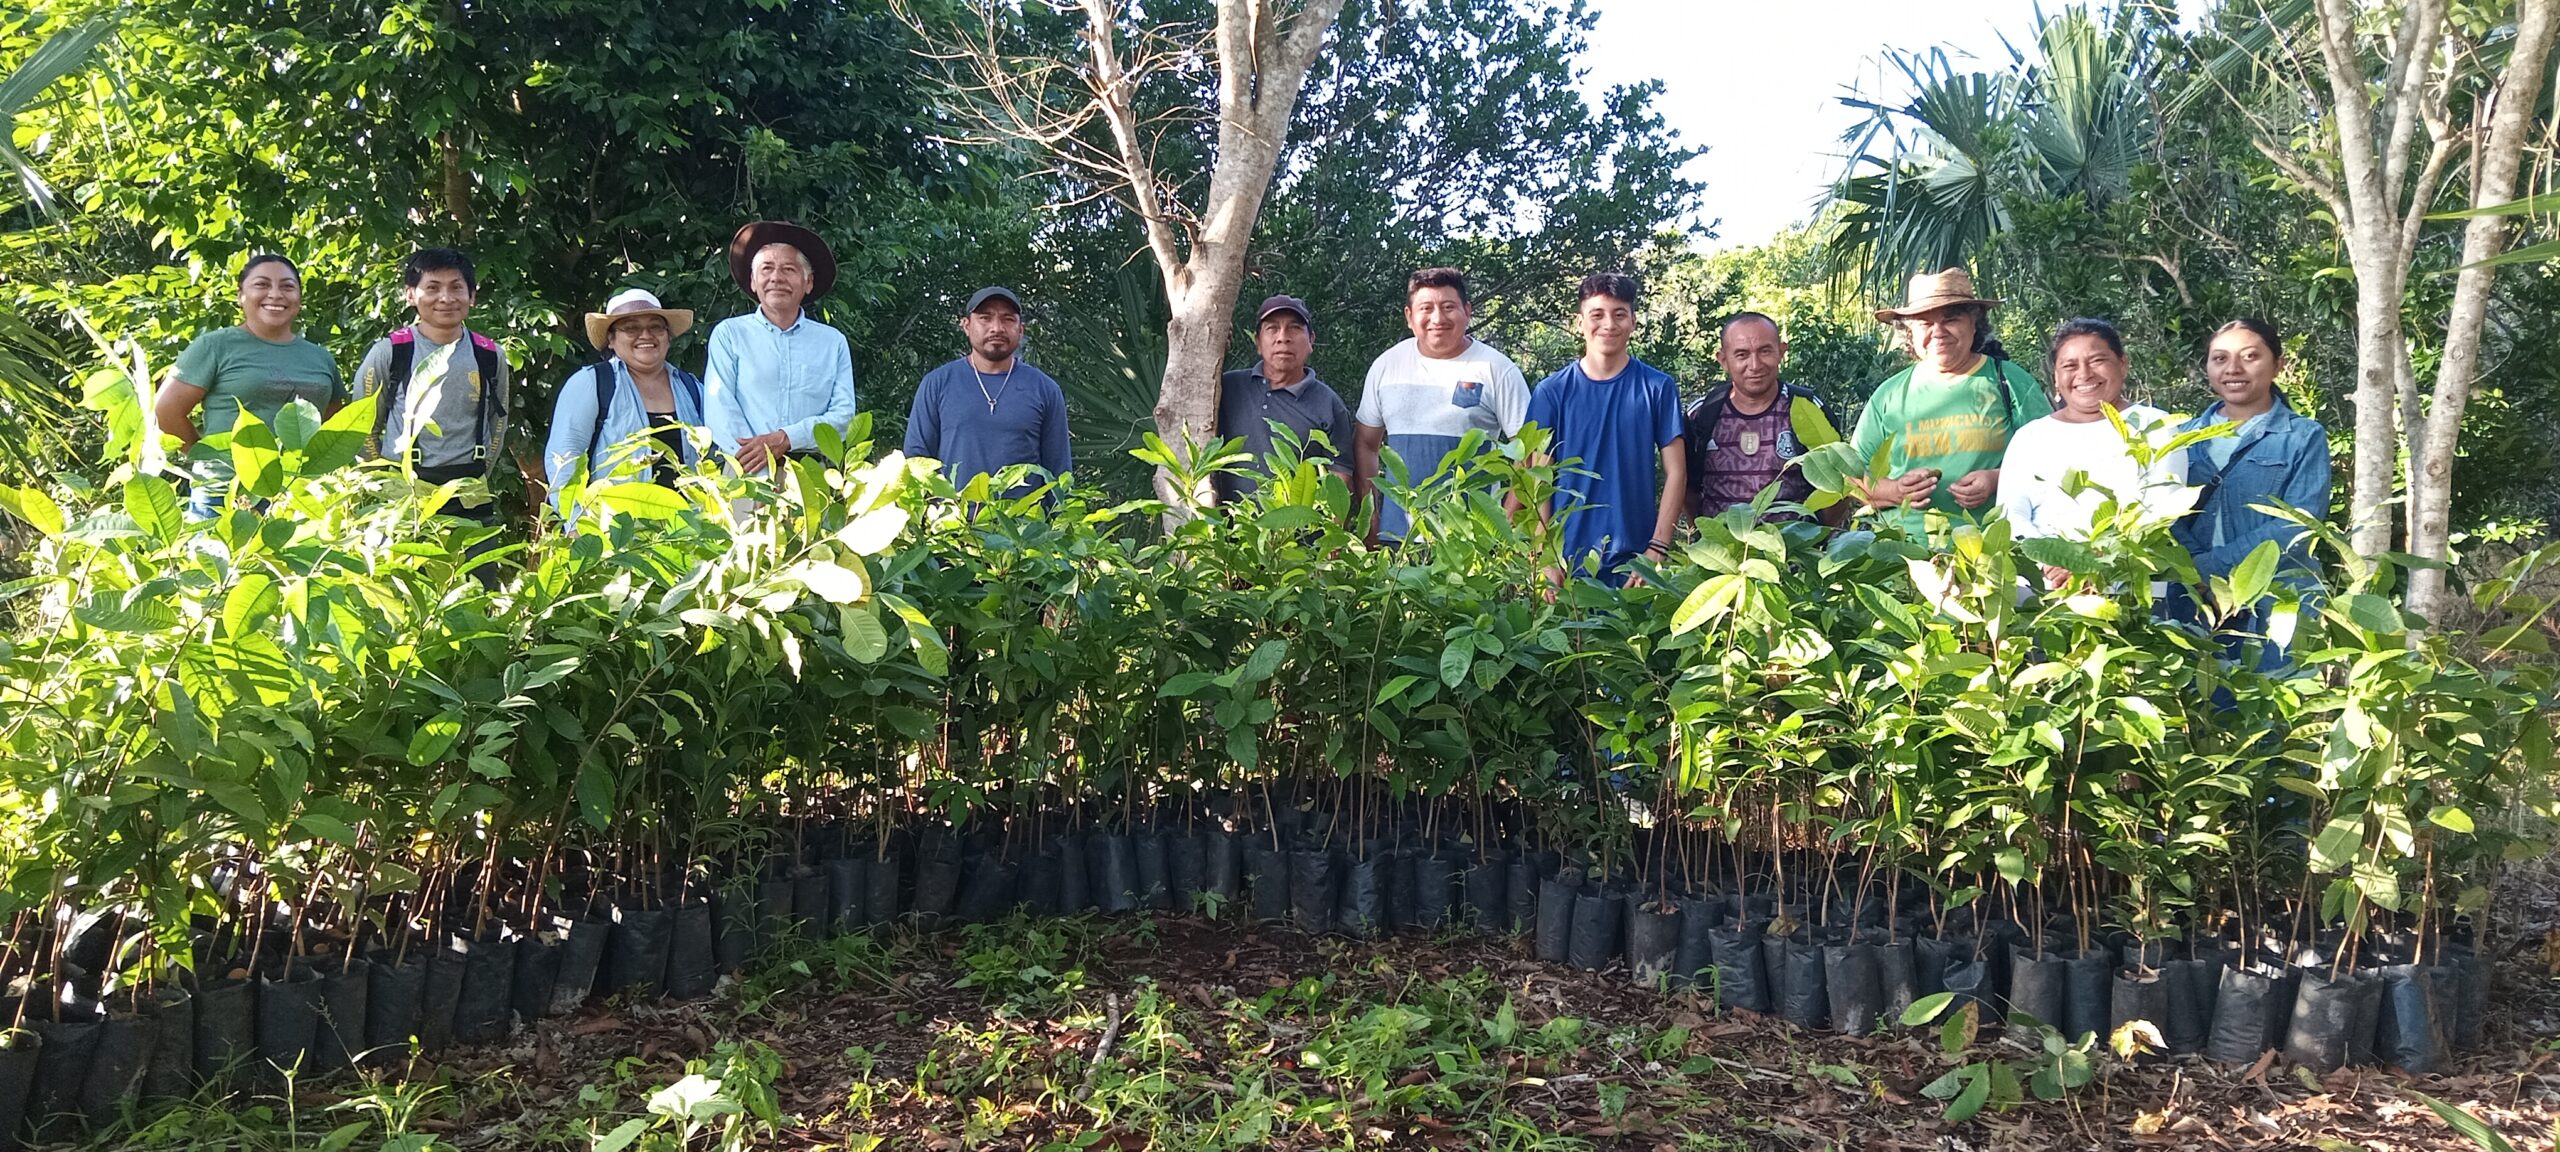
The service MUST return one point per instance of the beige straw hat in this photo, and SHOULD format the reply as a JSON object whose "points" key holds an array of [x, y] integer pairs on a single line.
{"points": [[1935, 290]]}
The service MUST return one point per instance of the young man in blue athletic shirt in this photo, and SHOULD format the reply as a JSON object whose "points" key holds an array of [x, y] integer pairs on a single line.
{"points": [[1612, 418]]}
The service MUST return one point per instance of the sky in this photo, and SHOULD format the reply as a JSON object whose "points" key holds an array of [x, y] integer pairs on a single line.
{"points": [[1758, 82]]}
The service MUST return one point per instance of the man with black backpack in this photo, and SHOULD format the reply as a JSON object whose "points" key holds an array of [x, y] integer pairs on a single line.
{"points": [[441, 388], [1743, 434]]}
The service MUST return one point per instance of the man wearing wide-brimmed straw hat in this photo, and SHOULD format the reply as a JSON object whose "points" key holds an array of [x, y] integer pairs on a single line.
{"points": [[603, 407], [776, 373], [1949, 416]]}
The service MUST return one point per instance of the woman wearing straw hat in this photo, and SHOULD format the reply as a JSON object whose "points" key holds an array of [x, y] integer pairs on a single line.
{"points": [[1949, 416], [603, 407]]}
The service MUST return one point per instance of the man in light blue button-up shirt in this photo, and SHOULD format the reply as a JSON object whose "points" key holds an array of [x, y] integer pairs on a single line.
{"points": [[775, 374]]}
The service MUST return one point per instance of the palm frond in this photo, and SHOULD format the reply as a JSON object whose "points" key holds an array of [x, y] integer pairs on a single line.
{"points": [[60, 54]]}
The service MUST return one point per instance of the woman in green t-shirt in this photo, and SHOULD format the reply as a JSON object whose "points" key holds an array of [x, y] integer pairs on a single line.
{"points": [[257, 367], [1947, 418]]}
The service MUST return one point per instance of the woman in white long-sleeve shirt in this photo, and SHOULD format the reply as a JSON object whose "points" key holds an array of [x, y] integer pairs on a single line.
{"points": [[2035, 474]]}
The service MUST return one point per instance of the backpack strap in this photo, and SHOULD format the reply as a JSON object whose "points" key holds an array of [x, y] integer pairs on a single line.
{"points": [[1999, 366], [395, 379], [691, 384], [604, 403], [485, 351]]}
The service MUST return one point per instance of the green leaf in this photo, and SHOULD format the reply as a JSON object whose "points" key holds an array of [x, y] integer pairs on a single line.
{"points": [[1455, 659], [2337, 845], [2461, 1120], [1396, 687], [2012, 864], [340, 438], [865, 638], [33, 507], [141, 617], [344, 1136], [1926, 1008], [1960, 1028], [1970, 1101], [327, 828], [246, 608], [1710, 600], [243, 802], [295, 424], [153, 504], [595, 795], [1265, 661], [1186, 683], [645, 501], [2529, 254], [622, 1136], [2255, 574], [2538, 205], [833, 583], [874, 531], [429, 743], [2451, 819], [2372, 613]]}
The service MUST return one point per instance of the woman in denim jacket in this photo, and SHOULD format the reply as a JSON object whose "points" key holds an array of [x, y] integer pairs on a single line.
{"points": [[2277, 456], [602, 409]]}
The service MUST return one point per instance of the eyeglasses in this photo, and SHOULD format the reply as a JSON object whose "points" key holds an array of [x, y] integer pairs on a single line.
{"points": [[642, 328]]}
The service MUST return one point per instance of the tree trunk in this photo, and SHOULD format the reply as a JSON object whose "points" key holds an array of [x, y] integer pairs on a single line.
{"points": [[1186, 410], [2380, 342], [2500, 154], [457, 188], [1262, 66], [2372, 143]]}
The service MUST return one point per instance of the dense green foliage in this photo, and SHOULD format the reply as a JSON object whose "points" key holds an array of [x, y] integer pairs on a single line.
{"points": [[321, 692], [2110, 172], [575, 148]]}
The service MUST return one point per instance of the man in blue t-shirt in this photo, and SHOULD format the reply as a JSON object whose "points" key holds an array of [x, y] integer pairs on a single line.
{"points": [[1612, 417], [988, 410]]}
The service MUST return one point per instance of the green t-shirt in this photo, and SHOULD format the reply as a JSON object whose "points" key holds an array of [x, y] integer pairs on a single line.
{"points": [[1953, 424], [239, 371]]}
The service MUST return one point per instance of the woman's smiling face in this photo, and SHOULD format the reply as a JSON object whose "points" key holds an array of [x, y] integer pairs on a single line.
{"points": [[2241, 368], [270, 296], [2089, 376]]}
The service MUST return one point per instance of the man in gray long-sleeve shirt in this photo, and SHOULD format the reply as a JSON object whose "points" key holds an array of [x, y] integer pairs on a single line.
{"points": [[443, 387], [987, 411]]}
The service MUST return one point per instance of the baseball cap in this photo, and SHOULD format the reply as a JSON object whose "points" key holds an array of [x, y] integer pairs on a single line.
{"points": [[979, 298], [1285, 304]]}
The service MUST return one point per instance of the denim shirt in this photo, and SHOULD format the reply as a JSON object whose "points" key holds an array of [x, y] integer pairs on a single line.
{"points": [[761, 378], [573, 420], [2282, 457]]}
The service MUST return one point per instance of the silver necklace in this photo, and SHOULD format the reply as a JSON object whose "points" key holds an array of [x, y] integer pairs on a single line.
{"points": [[998, 394]]}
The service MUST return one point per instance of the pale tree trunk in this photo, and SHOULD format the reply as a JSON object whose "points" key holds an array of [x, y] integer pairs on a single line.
{"points": [[2380, 224], [1263, 54], [2498, 156]]}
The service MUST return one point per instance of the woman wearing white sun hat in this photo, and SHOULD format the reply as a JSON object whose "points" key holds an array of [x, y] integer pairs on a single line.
{"points": [[602, 408]]}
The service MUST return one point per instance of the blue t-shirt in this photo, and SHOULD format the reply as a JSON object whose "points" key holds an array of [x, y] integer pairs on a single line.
{"points": [[978, 424], [1614, 429]]}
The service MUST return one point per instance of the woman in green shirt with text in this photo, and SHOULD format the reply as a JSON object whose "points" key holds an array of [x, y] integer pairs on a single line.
{"points": [[1948, 418], [257, 367]]}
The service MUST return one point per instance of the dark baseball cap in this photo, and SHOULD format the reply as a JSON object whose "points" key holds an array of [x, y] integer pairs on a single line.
{"points": [[979, 298], [1285, 304]]}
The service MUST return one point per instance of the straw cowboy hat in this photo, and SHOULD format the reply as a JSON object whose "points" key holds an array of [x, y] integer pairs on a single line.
{"points": [[1935, 290], [756, 236], [632, 302]]}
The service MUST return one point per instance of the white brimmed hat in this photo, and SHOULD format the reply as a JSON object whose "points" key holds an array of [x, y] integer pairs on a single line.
{"points": [[634, 302]]}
